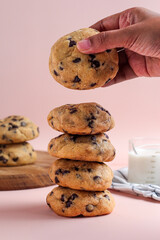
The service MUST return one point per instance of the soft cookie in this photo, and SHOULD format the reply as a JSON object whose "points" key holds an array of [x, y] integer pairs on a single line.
{"points": [[81, 175], [82, 147], [17, 154], [76, 70], [81, 119], [16, 129], [70, 203]]}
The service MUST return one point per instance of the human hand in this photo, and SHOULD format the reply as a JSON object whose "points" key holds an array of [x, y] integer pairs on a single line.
{"points": [[137, 30]]}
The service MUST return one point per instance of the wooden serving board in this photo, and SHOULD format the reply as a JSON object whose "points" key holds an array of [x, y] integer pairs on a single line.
{"points": [[27, 176]]}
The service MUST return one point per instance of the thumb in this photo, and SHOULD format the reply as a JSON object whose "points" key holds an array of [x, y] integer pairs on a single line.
{"points": [[109, 39]]}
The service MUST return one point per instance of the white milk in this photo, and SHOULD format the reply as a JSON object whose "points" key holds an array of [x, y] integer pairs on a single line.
{"points": [[144, 167]]}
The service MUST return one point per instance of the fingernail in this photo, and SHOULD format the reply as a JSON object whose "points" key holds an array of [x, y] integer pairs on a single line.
{"points": [[84, 44]]}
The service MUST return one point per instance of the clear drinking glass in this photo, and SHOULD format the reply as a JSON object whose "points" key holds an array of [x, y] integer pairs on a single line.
{"points": [[144, 161]]}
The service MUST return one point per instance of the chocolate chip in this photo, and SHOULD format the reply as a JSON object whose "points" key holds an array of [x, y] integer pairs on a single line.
{"points": [[73, 138], [92, 116], [90, 124], [72, 43], [72, 110], [73, 196], [65, 172], [89, 208], [58, 171], [1, 151], [89, 170], [106, 135], [76, 79], [48, 205], [94, 195], [93, 84], [92, 56], [108, 81], [51, 193], [108, 112], [33, 133], [30, 154], [3, 159], [23, 124], [38, 129], [68, 204], [14, 119], [93, 138], [56, 73], [76, 168], [90, 120], [61, 68], [56, 180], [2, 125], [12, 126], [3, 137], [76, 60], [62, 198], [51, 146], [103, 109], [106, 196], [95, 64], [96, 178], [108, 50], [15, 159]]}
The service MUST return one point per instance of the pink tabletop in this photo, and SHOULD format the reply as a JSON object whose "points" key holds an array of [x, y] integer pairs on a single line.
{"points": [[25, 215]]}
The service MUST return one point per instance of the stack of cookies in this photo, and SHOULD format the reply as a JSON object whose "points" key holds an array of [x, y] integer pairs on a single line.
{"points": [[80, 171], [14, 132]]}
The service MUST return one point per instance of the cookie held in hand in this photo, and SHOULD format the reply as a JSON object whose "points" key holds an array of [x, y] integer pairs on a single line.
{"points": [[76, 70]]}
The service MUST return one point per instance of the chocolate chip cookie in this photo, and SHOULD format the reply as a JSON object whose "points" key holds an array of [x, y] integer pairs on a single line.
{"points": [[82, 147], [76, 70], [70, 203], [16, 129], [81, 175], [81, 119], [17, 154]]}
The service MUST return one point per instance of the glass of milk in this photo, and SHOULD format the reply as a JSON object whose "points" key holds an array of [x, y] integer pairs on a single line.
{"points": [[144, 161]]}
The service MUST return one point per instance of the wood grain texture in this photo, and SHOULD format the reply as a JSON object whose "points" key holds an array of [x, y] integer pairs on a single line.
{"points": [[28, 176]]}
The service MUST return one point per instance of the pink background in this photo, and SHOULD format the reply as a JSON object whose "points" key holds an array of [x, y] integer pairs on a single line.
{"points": [[28, 29]]}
